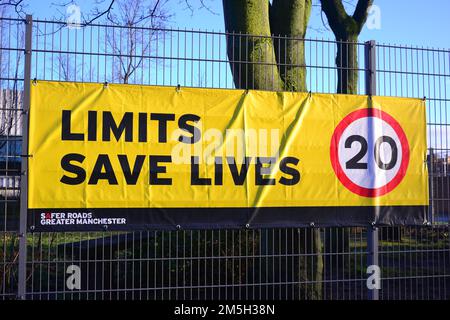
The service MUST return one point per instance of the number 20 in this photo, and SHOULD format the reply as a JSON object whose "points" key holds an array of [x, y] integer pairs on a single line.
{"points": [[354, 163]]}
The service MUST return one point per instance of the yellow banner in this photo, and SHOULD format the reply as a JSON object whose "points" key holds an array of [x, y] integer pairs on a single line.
{"points": [[130, 146]]}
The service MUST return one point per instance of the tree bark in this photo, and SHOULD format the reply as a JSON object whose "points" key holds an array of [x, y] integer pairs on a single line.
{"points": [[289, 22], [249, 45], [258, 60], [274, 60], [347, 65], [346, 30]]}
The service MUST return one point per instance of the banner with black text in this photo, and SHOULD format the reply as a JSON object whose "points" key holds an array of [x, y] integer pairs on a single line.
{"points": [[127, 157]]}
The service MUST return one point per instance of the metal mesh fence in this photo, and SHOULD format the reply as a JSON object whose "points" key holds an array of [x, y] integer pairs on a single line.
{"points": [[307, 263]]}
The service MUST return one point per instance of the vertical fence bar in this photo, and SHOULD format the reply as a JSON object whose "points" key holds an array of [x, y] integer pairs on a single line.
{"points": [[21, 292], [371, 89], [370, 67]]}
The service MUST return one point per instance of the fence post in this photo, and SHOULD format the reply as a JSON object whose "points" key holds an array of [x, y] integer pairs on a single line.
{"points": [[22, 285], [371, 89]]}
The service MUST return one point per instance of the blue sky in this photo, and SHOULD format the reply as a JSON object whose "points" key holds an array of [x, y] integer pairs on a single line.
{"points": [[407, 22]]}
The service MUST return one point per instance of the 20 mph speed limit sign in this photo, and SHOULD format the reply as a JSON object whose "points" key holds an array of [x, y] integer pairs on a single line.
{"points": [[369, 152]]}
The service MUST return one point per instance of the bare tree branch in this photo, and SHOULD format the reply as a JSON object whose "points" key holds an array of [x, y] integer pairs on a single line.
{"points": [[132, 44], [101, 14], [203, 5], [17, 4]]}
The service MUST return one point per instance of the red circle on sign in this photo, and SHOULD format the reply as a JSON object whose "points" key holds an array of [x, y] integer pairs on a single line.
{"points": [[345, 180]]}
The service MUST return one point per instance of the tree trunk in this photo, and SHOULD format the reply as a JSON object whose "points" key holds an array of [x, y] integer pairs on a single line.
{"points": [[346, 30], [347, 65], [249, 45], [289, 22], [265, 49]]}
